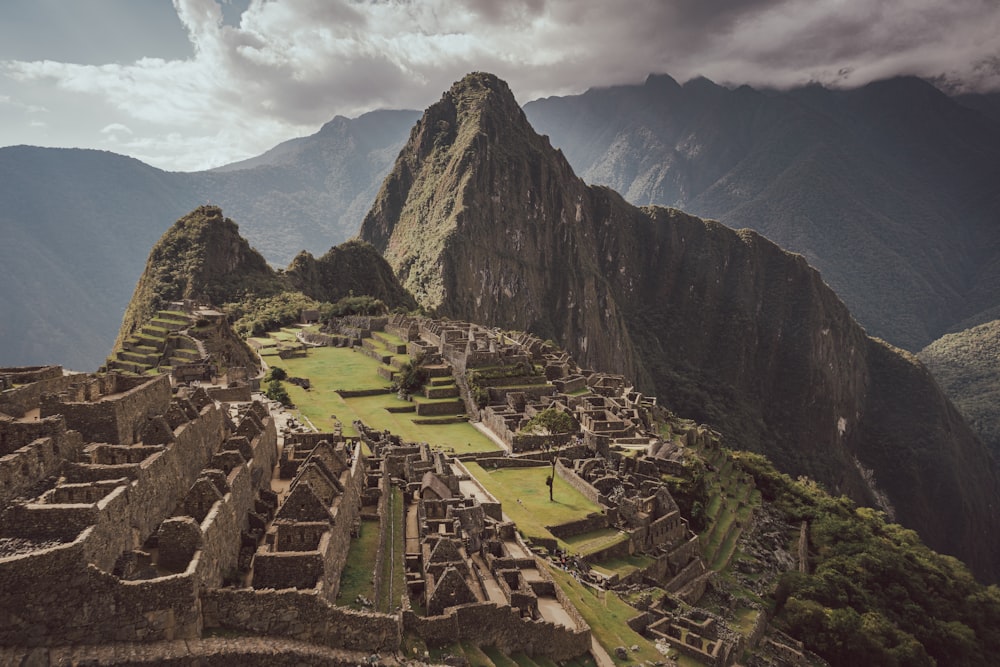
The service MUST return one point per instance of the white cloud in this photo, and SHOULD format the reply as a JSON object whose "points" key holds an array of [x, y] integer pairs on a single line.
{"points": [[290, 65]]}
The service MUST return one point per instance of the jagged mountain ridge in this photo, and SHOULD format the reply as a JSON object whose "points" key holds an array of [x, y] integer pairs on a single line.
{"points": [[888, 189], [483, 220]]}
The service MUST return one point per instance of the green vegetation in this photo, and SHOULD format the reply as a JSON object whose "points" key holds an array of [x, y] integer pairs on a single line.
{"points": [[353, 305], [876, 594], [525, 498], [333, 368], [276, 391], [607, 616], [551, 421], [967, 365], [254, 316], [393, 573], [410, 378], [356, 578]]}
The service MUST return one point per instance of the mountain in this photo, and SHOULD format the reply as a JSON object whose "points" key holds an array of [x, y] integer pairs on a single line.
{"points": [[311, 192], [967, 365], [889, 189], [482, 219], [77, 224], [203, 257]]}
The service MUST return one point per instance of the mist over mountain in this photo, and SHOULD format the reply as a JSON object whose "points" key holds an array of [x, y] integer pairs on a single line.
{"points": [[889, 189], [483, 220]]}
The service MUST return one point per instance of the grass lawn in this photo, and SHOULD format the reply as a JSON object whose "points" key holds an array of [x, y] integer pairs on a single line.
{"points": [[595, 540], [332, 368], [393, 567], [623, 566], [356, 578], [607, 616], [535, 511]]}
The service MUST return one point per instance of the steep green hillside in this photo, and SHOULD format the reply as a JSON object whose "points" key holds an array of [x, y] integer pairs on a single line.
{"points": [[483, 220], [203, 258], [967, 365]]}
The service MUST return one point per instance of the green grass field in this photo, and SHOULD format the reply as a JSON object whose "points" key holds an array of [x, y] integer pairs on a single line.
{"points": [[607, 616], [356, 577], [535, 511], [333, 368]]}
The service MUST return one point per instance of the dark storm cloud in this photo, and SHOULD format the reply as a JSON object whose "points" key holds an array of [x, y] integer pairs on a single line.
{"points": [[286, 66]]}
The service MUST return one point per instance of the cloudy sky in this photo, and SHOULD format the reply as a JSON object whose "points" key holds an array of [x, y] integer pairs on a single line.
{"points": [[191, 84]]}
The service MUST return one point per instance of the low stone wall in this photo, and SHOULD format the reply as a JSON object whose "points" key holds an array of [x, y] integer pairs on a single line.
{"points": [[591, 523], [492, 461], [443, 408], [16, 434], [300, 615], [249, 651], [18, 400], [359, 393], [487, 624], [230, 394], [28, 374], [113, 421], [580, 484], [524, 442], [26, 466]]}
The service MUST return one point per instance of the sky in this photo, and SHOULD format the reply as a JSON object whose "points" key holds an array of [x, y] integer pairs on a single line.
{"points": [[192, 84]]}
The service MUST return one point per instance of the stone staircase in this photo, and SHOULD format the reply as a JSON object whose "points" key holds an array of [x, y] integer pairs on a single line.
{"points": [[158, 346]]}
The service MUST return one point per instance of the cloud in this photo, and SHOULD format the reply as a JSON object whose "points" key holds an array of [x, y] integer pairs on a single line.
{"points": [[8, 101], [290, 65], [116, 128]]}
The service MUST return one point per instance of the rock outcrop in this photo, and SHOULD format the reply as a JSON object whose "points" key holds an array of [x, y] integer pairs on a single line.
{"points": [[483, 220]]}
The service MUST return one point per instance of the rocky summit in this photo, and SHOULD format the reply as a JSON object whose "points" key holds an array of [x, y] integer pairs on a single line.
{"points": [[483, 220]]}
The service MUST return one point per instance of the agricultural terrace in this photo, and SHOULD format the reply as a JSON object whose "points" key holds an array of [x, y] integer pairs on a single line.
{"points": [[329, 369], [525, 499]]}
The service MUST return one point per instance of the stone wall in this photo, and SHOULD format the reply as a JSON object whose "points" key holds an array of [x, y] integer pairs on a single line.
{"points": [[241, 394], [580, 484], [16, 434], [50, 596], [301, 615], [593, 521], [22, 469], [488, 624], [15, 402], [116, 420]]}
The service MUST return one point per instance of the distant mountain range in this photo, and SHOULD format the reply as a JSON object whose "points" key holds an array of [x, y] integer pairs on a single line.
{"points": [[888, 190], [77, 224]]}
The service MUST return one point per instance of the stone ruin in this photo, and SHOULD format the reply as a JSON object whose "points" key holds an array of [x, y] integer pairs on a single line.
{"points": [[172, 516]]}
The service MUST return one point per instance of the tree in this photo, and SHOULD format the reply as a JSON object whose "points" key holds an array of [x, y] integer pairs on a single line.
{"points": [[277, 392]]}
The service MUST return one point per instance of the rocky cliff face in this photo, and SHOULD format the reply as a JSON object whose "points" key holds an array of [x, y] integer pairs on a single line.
{"points": [[483, 220]]}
